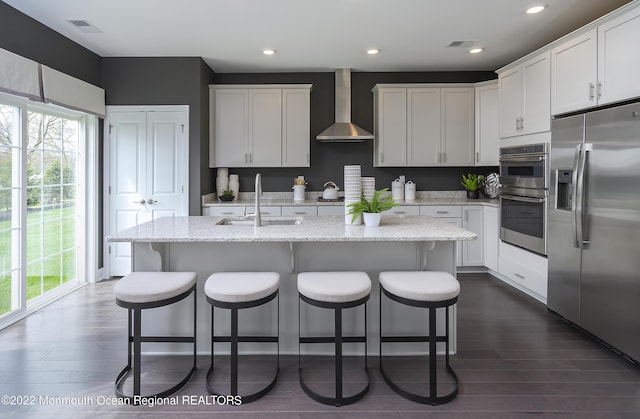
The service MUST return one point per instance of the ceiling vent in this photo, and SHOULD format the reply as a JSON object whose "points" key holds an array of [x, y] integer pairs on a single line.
{"points": [[85, 26], [461, 44]]}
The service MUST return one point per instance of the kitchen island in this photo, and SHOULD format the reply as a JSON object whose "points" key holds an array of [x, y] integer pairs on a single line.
{"points": [[202, 245]]}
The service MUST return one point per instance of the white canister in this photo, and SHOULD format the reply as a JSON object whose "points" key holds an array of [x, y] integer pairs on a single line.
{"points": [[298, 192], [410, 191], [397, 190], [235, 187]]}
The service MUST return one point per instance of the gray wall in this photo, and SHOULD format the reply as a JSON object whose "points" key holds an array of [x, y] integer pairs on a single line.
{"points": [[328, 159], [168, 81]]}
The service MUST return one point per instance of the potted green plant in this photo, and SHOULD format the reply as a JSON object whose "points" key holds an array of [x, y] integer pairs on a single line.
{"points": [[227, 195], [472, 183], [371, 209]]}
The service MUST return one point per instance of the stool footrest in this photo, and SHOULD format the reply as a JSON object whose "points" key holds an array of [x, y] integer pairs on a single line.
{"points": [[248, 398], [332, 339], [419, 398], [158, 339], [253, 339], [335, 401], [399, 339]]}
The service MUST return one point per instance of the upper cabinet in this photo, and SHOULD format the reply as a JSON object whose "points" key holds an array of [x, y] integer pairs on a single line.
{"points": [[524, 96], [259, 126], [597, 67], [422, 125], [487, 131]]}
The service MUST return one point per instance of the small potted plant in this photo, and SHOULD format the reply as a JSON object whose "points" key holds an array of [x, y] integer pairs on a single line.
{"points": [[472, 183], [227, 195], [372, 209]]}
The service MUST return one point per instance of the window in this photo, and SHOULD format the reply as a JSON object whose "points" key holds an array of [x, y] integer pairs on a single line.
{"points": [[42, 204]]}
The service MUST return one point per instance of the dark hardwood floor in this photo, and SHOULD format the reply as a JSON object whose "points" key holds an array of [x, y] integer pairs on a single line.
{"points": [[514, 361]]}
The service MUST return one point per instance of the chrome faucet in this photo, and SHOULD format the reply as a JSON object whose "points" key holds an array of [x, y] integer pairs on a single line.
{"points": [[257, 220]]}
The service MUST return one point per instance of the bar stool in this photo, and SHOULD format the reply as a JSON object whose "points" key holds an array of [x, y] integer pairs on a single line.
{"points": [[430, 290], [143, 290], [336, 291], [235, 291]]}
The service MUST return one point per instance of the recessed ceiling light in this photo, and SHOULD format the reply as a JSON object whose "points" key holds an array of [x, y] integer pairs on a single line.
{"points": [[268, 51], [476, 50], [373, 51], [535, 9]]}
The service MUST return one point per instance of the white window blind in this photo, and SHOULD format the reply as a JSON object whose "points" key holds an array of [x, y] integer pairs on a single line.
{"points": [[19, 75], [61, 89]]}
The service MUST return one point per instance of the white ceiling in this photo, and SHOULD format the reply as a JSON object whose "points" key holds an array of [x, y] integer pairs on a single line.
{"points": [[318, 35]]}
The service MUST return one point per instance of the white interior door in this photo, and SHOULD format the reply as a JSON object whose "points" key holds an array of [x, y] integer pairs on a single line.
{"points": [[147, 172]]}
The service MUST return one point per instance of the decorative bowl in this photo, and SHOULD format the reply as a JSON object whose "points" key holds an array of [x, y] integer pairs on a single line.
{"points": [[226, 198]]}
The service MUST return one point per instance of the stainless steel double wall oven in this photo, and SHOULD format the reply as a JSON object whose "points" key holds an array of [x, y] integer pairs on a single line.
{"points": [[523, 196]]}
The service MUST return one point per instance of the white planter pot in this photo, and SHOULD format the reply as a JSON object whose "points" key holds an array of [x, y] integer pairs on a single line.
{"points": [[371, 219]]}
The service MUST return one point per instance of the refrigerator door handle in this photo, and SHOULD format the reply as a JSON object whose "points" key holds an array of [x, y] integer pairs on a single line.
{"points": [[575, 207], [581, 208]]}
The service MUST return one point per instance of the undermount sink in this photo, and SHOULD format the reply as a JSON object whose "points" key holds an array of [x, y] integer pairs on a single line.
{"points": [[266, 221]]}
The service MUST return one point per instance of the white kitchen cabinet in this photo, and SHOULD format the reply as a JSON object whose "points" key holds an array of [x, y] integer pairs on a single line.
{"points": [[450, 214], [597, 67], [524, 97], [491, 237], [269, 210], [473, 250], [223, 211], [423, 125], [524, 270], [404, 210], [487, 131], [302, 210], [296, 123], [259, 126], [330, 210], [457, 127]]}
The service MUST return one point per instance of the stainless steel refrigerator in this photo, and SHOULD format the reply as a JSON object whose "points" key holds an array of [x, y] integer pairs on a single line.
{"points": [[594, 224]]}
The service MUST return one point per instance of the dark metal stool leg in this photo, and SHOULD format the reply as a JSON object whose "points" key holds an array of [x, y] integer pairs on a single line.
{"points": [[338, 355]]}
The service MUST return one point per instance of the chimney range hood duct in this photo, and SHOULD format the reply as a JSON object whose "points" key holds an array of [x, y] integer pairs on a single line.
{"points": [[343, 130]]}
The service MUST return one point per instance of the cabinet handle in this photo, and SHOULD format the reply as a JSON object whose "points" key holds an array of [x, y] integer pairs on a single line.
{"points": [[245, 158], [151, 201], [518, 275], [521, 124], [227, 213], [141, 202], [442, 212], [477, 156], [444, 157], [250, 158], [599, 90], [591, 91], [400, 212], [299, 212]]}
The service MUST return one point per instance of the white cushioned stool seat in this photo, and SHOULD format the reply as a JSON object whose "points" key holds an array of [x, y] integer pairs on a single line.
{"points": [[241, 287], [420, 285], [149, 287], [334, 287]]}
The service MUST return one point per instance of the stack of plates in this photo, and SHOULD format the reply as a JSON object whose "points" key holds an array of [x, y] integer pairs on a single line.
{"points": [[352, 191]]}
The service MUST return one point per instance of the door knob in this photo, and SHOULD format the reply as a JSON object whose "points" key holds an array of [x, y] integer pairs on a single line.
{"points": [[151, 201], [141, 202]]}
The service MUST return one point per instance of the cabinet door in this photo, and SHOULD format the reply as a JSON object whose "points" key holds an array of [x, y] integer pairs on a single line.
{"points": [[537, 90], [457, 143], [231, 122], [423, 126], [295, 128], [574, 74], [458, 223], [487, 135], [265, 128], [618, 58], [491, 234], [473, 251], [391, 127], [510, 90]]}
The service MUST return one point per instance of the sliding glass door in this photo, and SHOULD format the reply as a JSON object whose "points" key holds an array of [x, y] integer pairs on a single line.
{"points": [[41, 204]]}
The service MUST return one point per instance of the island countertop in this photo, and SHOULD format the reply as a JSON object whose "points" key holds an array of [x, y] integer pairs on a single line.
{"points": [[392, 228]]}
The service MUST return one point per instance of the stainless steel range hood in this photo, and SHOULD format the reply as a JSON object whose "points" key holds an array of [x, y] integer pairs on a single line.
{"points": [[343, 130]]}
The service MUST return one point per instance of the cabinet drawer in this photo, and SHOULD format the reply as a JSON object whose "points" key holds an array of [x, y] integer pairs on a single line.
{"points": [[331, 210], [236, 210], [440, 211], [269, 210], [524, 276], [404, 210], [300, 210]]}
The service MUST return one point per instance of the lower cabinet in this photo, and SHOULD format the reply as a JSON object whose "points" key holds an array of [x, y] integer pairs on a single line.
{"points": [[223, 211], [473, 251], [524, 270], [299, 210]]}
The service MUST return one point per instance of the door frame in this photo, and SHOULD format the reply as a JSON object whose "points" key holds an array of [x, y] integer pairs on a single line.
{"points": [[106, 165]]}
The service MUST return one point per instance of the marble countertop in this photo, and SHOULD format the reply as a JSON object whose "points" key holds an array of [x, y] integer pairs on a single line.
{"points": [[312, 229], [286, 199]]}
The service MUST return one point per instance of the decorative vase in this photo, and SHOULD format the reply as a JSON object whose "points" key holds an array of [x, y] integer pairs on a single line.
{"points": [[371, 219], [473, 194]]}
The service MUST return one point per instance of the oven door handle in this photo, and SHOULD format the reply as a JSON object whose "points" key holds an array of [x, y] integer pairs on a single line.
{"points": [[534, 158], [523, 199]]}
